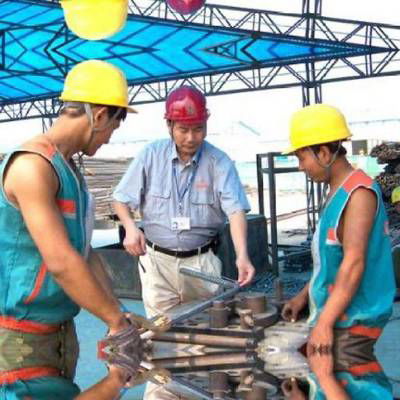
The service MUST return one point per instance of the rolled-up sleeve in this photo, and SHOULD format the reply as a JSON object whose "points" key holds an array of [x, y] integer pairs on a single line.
{"points": [[232, 195], [131, 187]]}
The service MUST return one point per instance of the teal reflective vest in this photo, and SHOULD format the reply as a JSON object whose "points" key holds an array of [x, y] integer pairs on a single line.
{"points": [[43, 388], [30, 298], [371, 305], [369, 386]]}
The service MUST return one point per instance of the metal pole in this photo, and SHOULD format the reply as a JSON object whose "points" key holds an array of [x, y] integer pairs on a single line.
{"points": [[260, 184], [204, 339], [213, 360], [272, 207], [202, 306]]}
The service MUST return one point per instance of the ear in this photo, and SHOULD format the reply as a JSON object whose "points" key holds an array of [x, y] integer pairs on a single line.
{"points": [[324, 154], [170, 126], [100, 115]]}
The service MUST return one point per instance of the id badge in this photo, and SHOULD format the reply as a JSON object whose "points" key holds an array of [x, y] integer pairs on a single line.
{"points": [[180, 224]]}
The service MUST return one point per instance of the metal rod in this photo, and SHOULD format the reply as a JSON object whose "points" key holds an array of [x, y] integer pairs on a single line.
{"points": [[192, 389], [222, 281], [260, 184], [208, 360], [282, 170], [198, 338], [272, 205], [202, 306]]}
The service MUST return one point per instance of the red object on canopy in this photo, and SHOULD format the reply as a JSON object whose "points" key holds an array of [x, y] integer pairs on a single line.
{"points": [[186, 6]]}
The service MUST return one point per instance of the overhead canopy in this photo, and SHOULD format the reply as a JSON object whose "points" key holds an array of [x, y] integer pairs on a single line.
{"points": [[38, 50]]}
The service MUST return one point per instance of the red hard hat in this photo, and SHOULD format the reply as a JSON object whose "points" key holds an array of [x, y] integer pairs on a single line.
{"points": [[186, 104]]}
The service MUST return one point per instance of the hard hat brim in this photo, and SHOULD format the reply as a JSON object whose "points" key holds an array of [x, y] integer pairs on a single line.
{"points": [[292, 149], [288, 151], [131, 110]]}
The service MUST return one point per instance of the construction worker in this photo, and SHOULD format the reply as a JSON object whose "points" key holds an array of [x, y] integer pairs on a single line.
{"points": [[184, 188], [95, 20], [352, 286], [44, 214], [395, 197]]}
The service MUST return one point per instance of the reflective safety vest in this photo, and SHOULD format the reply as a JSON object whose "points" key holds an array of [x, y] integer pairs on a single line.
{"points": [[371, 305], [30, 299], [36, 383], [370, 384]]}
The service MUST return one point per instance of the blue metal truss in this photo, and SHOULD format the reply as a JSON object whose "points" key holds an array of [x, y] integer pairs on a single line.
{"points": [[219, 49]]}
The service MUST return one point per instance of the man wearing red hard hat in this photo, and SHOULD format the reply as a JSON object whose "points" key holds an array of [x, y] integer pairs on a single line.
{"points": [[185, 189]]}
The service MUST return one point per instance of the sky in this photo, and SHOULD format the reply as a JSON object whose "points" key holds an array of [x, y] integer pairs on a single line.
{"points": [[269, 111]]}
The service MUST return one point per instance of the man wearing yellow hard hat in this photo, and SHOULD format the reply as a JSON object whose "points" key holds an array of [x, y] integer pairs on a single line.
{"points": [[352, 286], [95, 19], [44, 210]]}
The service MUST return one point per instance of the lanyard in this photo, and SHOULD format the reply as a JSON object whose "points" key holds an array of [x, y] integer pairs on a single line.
{"points": [[188, 185]]}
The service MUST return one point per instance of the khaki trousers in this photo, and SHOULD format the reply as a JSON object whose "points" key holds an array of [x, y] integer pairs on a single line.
{"points": [[163, 287]]}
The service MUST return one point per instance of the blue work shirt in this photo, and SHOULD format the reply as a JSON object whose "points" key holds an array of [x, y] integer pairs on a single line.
{"points": [[149, 186]]}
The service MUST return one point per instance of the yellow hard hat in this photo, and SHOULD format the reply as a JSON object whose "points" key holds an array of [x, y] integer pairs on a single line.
{"points": [[316, 124], [96, 82], [396, 195], [95, 19]]}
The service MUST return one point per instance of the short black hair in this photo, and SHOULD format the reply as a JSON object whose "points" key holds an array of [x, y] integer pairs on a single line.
{"points": [[332, 146], [112, 110], [76, 109]]}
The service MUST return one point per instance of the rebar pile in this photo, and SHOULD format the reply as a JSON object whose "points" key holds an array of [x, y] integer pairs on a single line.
{"points": [[388, 153], [102, 175]]}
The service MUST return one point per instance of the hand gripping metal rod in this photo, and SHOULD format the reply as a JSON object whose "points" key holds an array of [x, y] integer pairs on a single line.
{"points": [[232, 286]]}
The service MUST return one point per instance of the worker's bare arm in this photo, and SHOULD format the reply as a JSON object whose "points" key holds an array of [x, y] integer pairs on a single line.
{"points": [[31, 184]]}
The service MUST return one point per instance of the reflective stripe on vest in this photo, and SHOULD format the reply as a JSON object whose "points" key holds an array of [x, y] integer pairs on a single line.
{"points": [[26, 326], [24, 374]]}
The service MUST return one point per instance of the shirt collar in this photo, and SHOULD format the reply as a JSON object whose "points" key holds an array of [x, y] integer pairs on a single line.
{"points": [[195, 158]]}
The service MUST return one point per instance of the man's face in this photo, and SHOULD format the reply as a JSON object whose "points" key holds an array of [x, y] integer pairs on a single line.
{"points": [[309, 165], [187, 137]]}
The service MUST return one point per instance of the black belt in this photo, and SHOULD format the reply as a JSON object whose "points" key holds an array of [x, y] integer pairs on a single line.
{"points": [[181, 254]]}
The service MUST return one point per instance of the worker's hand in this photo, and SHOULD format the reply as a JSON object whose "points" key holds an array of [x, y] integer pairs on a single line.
{"points": [[320, 340], [134, 242], [118, 324], [119, 375], [246, 270], [291, 390], [292, 308]]}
